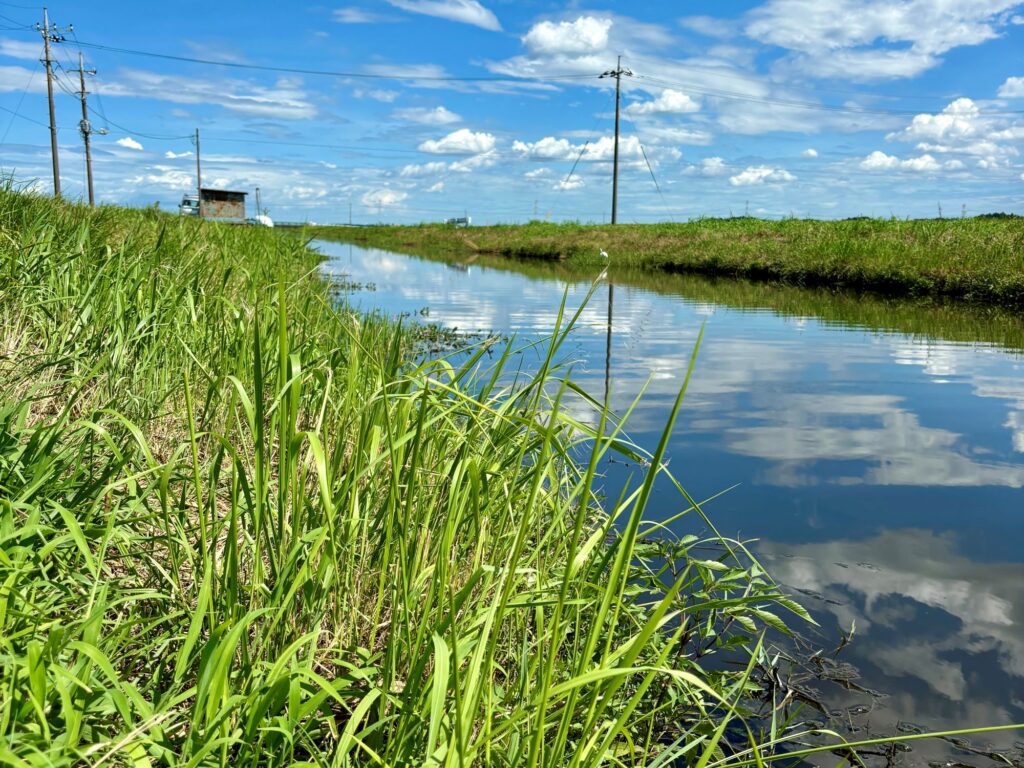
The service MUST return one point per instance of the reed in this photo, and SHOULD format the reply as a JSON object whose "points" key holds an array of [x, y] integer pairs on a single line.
{"points": [[241, 525]]}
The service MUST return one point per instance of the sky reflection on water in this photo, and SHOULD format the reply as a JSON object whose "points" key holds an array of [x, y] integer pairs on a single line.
{"points": [[880, 471]]}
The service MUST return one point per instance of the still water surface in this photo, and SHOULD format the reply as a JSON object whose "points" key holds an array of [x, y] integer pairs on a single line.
{"points": [[878, 448]]}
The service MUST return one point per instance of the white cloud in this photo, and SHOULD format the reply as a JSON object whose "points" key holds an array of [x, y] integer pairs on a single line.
{"points": [[809, 152], [548, 148], [286, 99], [353, 15], [486, 159], [377, 94], [879, 161], [669, 102], [599, 150], [21, 49], [1013, 88], [709, 166], [129, 143], [761, 174], [464, 11], [175, 155], [586, 34], [460, 142], [567, 184], [961, 128], [426, 116], [869, 39], [437, 187], [537, 173], [383, 198], [424, 169]]}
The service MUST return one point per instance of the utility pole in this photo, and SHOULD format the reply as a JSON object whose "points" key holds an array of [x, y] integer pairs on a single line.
{"points": [[84, 126], [199, 179], [51, 35], [617, 73]]}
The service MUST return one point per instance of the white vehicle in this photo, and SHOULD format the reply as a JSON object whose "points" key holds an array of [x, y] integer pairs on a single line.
{"points": [[261, 220], [189, 205]]}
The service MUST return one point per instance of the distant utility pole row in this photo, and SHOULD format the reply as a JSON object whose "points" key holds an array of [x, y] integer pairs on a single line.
{"points": [[53, 34]]}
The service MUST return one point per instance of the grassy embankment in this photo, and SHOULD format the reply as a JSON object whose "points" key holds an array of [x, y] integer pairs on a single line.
{"points": [[239, 527], [978, 259]]}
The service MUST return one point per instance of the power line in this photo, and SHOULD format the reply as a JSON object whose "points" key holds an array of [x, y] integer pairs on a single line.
{"points": [[334, 73]]}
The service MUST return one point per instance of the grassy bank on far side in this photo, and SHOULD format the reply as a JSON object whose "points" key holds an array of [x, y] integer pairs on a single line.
{"points": [[980, 259]]}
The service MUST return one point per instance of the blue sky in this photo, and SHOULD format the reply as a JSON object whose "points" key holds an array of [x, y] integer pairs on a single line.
{"points": [[821, 108]]}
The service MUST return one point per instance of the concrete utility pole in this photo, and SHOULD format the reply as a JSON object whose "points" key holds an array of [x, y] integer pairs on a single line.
{"points": [[84, 126], [199, 179], [51, 35], [617, 73]]}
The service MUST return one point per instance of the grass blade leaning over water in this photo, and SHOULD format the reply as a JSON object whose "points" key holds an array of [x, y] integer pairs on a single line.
{"points": [[238, 525]]}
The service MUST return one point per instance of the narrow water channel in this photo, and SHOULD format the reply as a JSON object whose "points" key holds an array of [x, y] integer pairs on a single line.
{"points": [[878, 449]]}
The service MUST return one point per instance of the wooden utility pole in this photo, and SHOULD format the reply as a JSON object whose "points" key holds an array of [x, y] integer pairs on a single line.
{"points": [[51, 35], [84, 126], [617, 73], [199, 179]]}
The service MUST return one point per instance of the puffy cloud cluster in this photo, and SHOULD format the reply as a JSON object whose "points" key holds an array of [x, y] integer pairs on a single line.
{"points": [[761, 174], [709, 166], [460, 142], [586, 34], [879, 161], [383, 198], [426, 116], [962, 128], [1013, 88], [669, 102], [129, 143]]}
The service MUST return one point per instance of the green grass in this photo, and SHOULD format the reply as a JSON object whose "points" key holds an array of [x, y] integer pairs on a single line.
{"points": [[981, 259], [240, 525]]}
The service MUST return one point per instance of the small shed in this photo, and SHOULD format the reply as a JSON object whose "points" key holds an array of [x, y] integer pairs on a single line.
{"points": [[222, 204]]}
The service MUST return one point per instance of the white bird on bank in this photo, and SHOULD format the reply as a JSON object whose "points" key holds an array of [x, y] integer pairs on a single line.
{"points": [[604, 254]]}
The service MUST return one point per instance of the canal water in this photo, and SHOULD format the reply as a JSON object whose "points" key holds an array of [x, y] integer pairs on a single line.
{"points": [[877, 449]]}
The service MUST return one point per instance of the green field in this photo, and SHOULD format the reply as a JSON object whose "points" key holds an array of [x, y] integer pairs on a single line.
{"points": [[241, 525], [980, 259]]}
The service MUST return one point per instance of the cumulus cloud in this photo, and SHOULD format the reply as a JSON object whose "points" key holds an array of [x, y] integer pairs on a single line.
{"points": [[809, 152], [669, 102], [129, 143], [961, 128], [1013, 88], [879, 161], [460, 142], [383, 198], [870, 39], [761, 174], [599, 150], [567, 184], [587, 34], [483, 160], [463, 11], [426, 116], [176, 155], [437, 187], [537, 173], [423, 169], [709, 166]]}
